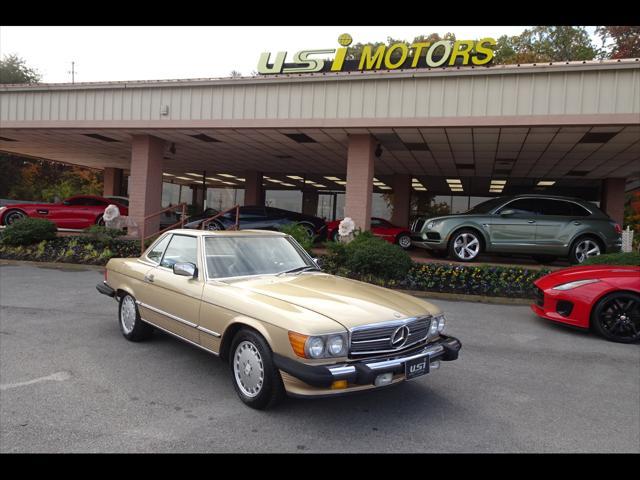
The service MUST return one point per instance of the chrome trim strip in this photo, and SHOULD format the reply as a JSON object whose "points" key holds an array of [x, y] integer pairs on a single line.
{"points": [[403, 347], [389, 323], [166, 314], [342, 370], [179, 337], [374, 340], [396, 362], [210, 332]]}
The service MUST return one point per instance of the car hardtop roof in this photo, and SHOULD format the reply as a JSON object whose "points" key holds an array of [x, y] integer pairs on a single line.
{"points": [[226, 233]]}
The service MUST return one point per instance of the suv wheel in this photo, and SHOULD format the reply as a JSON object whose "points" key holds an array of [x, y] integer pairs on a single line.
{"points": [[465, 245], [584, 248]]}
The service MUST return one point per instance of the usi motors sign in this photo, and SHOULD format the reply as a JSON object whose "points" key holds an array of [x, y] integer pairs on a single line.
{"points": [[442, 53]]}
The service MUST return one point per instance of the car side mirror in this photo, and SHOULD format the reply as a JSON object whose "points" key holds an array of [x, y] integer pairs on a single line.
{"points": [[506, 213], [318, 262], [185, 269]]}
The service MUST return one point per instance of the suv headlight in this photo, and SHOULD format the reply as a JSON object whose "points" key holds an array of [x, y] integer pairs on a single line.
{"points": [[572, 285], [431, 224], [319, 346]]}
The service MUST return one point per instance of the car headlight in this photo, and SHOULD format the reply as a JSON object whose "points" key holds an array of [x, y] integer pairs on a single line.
{"points": [[319, 346], [431, 224], [433, 328], [572, 285]]}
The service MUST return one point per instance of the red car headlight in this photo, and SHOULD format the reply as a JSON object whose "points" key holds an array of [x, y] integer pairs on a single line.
{"points": [[572, 285]]}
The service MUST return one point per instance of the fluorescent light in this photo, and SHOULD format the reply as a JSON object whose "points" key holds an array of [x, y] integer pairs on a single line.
{"points": [[546, 183], [384, 188], [228, 183], [420, 189], [168, 175], [287, 184], [498, 182], [379, 183], [375, 179], [240, 179], [273, 180], [341, 183], [453, 180], [194, 174], [318, 185], [333, 178], [213, 179], [457, 189], [295, 177], [228, 175], [185, 178]]}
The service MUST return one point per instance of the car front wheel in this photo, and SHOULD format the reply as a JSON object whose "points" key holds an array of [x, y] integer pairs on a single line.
{"points": [[256, 379], [404, 241], [617, 317], [584, 248], [12, 216], [465, 245], [131, 326]]}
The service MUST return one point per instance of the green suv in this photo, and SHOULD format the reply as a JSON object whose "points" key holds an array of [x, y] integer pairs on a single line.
{"points": [[543, 226]]}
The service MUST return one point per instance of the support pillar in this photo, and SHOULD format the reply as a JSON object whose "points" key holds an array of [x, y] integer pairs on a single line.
{"points": [[145, 196], [253, 191], [310, 202], [359, 188], [401, 200], [197, 198], [112, 181], [612, 198]]}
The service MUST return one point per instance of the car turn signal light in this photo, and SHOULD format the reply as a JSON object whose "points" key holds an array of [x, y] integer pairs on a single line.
{"points": [[298, 341]]}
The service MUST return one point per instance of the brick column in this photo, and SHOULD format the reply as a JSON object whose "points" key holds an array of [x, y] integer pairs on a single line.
{"points": [[360, 165], [401, 200], [310, 202], [112, 181], [253, 192], [612, 198], [145, 196]]}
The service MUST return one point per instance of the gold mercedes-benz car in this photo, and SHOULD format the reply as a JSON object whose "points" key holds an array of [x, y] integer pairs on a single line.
{"points": [[259, 301]]}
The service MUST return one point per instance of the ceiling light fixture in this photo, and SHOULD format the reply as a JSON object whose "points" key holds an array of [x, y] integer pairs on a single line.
{"points": [[546, 183]]}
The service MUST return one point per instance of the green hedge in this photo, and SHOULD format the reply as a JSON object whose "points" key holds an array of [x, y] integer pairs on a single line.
{"points": [[631, 258], [299, 233], [28, 231]]}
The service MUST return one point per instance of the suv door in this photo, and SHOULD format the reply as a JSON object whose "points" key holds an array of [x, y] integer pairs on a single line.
{"points": [[175, 299], [516, 231], [557, 224]]}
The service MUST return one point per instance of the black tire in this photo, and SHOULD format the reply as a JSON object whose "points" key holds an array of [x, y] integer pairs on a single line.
{"points": [[215, 225], [271, 391], [460, 235], [544, 258], [402, 238], [576, 246], [13, 216], [141, 330], [310, 229], [616, 317]]}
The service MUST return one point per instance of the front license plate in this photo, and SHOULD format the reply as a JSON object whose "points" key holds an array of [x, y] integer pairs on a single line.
{"points": [[417, 367]]}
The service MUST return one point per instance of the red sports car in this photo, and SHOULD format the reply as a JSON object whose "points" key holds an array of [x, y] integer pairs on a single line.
{"points": [[605, 298], [77, 212], [380, 228]]}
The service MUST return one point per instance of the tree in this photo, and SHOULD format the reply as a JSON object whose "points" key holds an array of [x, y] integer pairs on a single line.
{"points": [[14, 70], [235, 74], [626, 41], [546, 44]]}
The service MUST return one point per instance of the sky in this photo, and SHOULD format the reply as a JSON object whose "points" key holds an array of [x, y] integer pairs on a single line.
{"points": [[104, 53]]}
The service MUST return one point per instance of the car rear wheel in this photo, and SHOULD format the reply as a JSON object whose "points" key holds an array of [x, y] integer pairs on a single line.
{"points": [[13, 216], [404, 241], [131, 326], [584, 248], [256, 379], [215, 225], [617, 317], [465, 245]]}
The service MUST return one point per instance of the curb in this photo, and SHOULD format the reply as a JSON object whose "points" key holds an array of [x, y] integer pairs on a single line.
{"points": [[53, 265], [459, 297]]}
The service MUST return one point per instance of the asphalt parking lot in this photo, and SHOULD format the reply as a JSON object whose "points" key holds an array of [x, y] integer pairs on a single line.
{"points": [[69, 382]]}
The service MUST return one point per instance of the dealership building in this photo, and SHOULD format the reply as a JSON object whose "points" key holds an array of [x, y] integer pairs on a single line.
{"points": [[348, 143]]}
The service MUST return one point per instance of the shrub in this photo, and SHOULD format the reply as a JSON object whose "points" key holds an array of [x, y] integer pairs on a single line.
{"points": [[368, 257], [299, 233], [631, 258], [29, 231], [103, 235]]}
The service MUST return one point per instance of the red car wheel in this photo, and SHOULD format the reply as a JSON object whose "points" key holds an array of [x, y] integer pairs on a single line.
{"points": [[617, 317], [13, 216]]}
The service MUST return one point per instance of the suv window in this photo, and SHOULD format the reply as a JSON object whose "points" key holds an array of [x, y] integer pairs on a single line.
{"points": [[579, 211], [547, 206], [182, 248], [523, 206], [156, 254]]}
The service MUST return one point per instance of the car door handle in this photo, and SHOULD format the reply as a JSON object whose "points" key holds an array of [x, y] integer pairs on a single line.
{"points": [[577, 223], [531, 221], [148, 278]]}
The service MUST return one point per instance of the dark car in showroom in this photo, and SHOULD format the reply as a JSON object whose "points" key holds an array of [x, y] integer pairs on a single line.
{"points": [[255, 217], [543, 226]]}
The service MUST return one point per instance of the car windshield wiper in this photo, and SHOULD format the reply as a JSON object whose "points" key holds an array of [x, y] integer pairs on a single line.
{"points": [[297, 269]]}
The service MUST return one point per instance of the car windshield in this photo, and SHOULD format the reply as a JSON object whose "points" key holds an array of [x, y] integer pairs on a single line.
{"points": [[236, 256], [486, 207]]}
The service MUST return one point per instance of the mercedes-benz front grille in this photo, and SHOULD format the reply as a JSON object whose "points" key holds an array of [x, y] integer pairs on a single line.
{"points": [[388, 337]]}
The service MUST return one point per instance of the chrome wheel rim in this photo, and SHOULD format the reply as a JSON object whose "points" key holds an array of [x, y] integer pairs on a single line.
{"points": [[620, 317], [585, 249], [13, 217], [466, 246], [128, 314], [248, 369], [214, 226], [404, 241]]}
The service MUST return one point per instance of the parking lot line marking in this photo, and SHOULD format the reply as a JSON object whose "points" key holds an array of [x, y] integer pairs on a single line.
{"points": [[57, 377]]}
